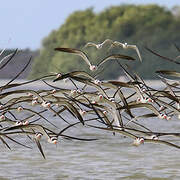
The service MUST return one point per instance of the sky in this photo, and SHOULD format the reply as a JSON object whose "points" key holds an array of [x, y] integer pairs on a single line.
{"points": [[24, 23]]}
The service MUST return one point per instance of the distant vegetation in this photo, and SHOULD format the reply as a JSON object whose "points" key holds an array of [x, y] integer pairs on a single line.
{"points": [[143, 25]]}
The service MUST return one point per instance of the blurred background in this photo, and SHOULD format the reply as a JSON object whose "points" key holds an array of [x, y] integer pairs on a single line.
{"points": [[37, 27]]}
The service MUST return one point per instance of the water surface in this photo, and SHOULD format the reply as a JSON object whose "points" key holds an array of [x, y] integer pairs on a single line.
{"points": [[110, 157]]}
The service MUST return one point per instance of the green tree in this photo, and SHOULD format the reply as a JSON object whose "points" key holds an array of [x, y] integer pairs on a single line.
{"points": [[143, 25]]}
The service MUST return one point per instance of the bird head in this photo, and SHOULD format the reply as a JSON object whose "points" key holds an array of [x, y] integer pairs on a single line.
{"points": [[93, 68], [99, 46], [141, 140], [2, 117], [38, 135], [125, 44], [25, 123], [154, 137], [53, 140], [19, 109]]}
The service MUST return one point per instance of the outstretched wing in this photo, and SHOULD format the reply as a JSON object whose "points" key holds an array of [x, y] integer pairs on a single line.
{"points": [[75, 51], [137, 50], [115, 56]]}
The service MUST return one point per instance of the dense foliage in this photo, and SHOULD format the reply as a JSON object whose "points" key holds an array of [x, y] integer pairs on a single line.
{"points": [[143, 25]]}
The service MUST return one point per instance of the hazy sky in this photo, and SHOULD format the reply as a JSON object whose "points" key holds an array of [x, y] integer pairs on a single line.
{"points": [[27, 22]]}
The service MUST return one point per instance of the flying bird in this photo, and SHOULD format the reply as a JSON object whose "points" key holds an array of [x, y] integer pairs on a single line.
{"points": [[37, 138], [86, 59], [98, 46], [126, 46], [79, 53], [113, 57]]}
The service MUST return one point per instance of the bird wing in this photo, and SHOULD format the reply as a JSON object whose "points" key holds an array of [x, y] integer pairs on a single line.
{"points": [[163, 57], [137, 50], [13, 141], [114, 44], [161, 142], [75, 51], [107, 41], [31, 126], [40, 147], [146, 105], [170, 73], [72, 109], [90, 44], [67, 128], [125, 133], [117, 43], [5, 143], [76, 138], [168, 105], [113, 57]]}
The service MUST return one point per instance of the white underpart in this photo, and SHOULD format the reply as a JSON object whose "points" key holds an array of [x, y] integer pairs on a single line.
{"points": [[138, 141], [93, 67], [34, 102], [45, 104], [19, 109], [38, 136], [82, 112], [2, 117]]}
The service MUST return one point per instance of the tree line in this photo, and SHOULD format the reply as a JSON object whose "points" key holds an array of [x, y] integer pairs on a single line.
{"points": [[143, 25]]}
